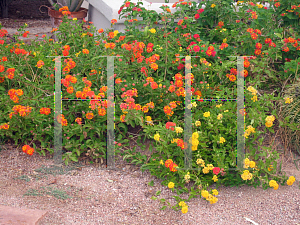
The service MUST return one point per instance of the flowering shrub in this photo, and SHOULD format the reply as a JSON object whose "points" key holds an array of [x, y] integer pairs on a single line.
{"points": [[150, 89]]}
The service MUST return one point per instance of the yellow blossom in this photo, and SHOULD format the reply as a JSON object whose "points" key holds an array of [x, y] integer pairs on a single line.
{"points": [[226, 110], [220, 116], [268, 124], [218, 106], [156, 137], [252, 164], [291, 180], [198, 123], [213, 5], [182, 203], [215, 192], [288, 100], [74, 18], [205, 170], [222, 140], [194, 104], [215, 178], [272, 183], [204, 193], [270, 168], [200, 161], [195, 135], [171, 185], [178, 130], [210, 166], [254, 98], [184, 209], [152, 30], [161, 162], [206, 114]]}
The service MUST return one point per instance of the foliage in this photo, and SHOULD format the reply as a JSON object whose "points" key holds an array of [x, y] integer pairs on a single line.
{"points": [[149, 72]]}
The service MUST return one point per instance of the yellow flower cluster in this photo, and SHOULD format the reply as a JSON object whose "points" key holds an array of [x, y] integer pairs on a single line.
{"points": [[213, 5], [273, 184], [187, 177], [161, 162], [218, 106], [270, 168], [215, 178], [248, 163], [246, 175], [206, 114], [152, 30], [195, 141], [269, 121], [220, 116], [206, 168], [291, 180], [249, 130], [254, 92], [174, 140], [222, 140], [178, 130], [288, 100], [156, 137], [194, 104], [201, 161], [171, 185], [209, 197], [184, 206], [198, 123], [149, 120]]}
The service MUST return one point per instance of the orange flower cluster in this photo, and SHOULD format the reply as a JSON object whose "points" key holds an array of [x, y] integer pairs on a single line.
{"points": [[27, 149], [110, 45], [61, 119], [70, 64], [85, 51], [223, 45], [269, 41], [258, 47], [89, 116], [170, 124], [3, 32], [13, 94], [22, 110], [292, 41], [40, 64], [18, 51], [113, 21], [254, 33], [211, 51], [10, 73], [25, 34], [78, 120], [171, 165], [180, 143], [66, 50], [66, 82], [45, 111], [4, 126], [65, 11]]}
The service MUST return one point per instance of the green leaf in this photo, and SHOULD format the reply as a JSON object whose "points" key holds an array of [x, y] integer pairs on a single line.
{"points": [[153, 198], [278, 35], [162, 200], [157, 193], [163, 208], [151, 183]]}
